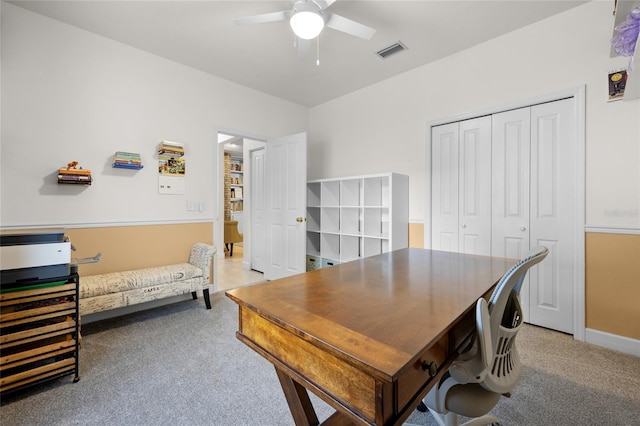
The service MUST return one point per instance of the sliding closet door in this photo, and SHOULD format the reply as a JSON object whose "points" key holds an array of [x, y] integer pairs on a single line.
{"points": [[474, 195], [553, 203]]}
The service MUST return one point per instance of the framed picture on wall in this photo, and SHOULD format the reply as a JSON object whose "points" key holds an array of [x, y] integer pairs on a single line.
{"points": [[617, 83]]}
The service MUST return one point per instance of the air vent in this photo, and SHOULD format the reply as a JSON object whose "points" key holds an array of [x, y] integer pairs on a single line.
{"points": [[391, 50]]}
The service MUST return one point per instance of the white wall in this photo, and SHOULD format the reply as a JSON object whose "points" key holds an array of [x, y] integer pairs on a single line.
{"points": [[382, 128], [71, 95]]}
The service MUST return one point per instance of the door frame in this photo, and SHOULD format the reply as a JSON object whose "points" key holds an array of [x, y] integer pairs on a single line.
{"points": [[578, 93]]}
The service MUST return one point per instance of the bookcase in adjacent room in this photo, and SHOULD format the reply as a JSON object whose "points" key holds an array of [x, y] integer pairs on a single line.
{"points": [[354, 217]]}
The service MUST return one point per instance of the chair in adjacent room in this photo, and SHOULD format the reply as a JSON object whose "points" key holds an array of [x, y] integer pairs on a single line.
{"points": [[489, 366], [231, 235]]}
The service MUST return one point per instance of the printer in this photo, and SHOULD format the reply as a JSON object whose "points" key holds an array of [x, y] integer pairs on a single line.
{"points": [[34, 255]]}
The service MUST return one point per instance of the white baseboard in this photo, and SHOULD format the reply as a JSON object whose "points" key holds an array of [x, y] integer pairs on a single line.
{"points": [[613, 341]]}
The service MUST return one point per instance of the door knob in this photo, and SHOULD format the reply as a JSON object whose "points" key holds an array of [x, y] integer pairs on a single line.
{"points": [[523, 228], [464, 226], [299, 219]]}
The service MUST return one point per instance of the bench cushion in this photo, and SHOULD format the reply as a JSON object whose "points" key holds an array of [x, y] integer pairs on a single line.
{"points": [[117, 282]]}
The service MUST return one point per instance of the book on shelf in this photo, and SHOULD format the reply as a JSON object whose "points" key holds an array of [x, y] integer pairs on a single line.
{"points": [[130, 155], [127, 166], [171, 149], [75, 182], [65, 171], [171, 152], [74, 177]]}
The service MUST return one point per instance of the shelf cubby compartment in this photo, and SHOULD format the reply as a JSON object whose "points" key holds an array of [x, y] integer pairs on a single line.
{"points": [[330, 194], [374, 246], [330, 219], [350, 192], [376, 191], [313, 243], [376, 222], [351, 220], [349, 248], [313, 219], [313, 194], [330, 246]]}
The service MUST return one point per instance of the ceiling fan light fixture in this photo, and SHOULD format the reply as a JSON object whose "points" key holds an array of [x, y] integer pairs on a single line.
{"points": [[306, 24]]}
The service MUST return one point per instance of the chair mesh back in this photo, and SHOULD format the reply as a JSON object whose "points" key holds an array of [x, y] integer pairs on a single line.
{"points": [[505, 371], [506, 321]]}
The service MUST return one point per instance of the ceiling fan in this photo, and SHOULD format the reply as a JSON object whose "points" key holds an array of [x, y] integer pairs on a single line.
{"points": [[308, 18]]}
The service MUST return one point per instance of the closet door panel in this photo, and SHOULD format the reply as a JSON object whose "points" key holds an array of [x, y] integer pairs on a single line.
{"points": [[444, 187], [510, 184], [475, 186], [553, 142]]}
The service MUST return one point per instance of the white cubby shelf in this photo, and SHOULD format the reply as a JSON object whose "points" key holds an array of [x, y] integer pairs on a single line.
{"points": [[355, 217]]}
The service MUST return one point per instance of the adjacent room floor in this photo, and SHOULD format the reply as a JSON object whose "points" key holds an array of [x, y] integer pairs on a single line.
{"points": [[230, 273]]}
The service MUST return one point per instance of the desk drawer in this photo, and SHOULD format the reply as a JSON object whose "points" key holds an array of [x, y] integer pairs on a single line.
{"points": [[414, 378]]}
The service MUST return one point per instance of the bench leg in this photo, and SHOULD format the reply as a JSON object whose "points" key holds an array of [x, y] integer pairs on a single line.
{"points": [[207, 300], [194, 294]]}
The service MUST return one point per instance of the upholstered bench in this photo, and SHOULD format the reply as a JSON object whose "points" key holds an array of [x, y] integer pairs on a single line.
{"points": [[117, 289]]}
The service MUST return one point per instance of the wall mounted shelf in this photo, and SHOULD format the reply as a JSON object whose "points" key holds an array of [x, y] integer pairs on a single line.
{"points": [[127, 160]]}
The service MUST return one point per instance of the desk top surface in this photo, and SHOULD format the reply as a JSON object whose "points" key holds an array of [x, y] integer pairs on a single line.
{"points": [[382, 310]]}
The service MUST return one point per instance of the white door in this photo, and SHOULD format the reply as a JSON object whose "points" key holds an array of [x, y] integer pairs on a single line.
{"points": [[258, 189], [286, 204], [444, 187], [553, 188], [474, 192], [533, 165], [461, 186], [510, 214]]}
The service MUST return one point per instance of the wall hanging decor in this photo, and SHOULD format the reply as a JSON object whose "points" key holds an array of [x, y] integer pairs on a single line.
{"points": [[171, 168]]}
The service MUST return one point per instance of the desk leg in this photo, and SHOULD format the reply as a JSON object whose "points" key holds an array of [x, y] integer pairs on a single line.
{"points": [[298, 399]]}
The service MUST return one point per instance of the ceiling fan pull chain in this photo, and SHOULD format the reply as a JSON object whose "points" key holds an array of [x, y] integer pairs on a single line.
{"points": [[318, 51]]}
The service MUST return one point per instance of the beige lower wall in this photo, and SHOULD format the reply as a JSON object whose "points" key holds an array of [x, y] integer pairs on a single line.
{"points": [[133, 247], [416, 235], [612, 264], [612, 281], [613, 284]]}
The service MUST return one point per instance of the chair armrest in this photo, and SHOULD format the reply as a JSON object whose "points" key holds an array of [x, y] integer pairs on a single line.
{"points": [[200, 256]]}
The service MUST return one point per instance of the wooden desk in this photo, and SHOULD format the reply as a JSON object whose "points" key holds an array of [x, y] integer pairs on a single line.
{"points": [[369, 337]]}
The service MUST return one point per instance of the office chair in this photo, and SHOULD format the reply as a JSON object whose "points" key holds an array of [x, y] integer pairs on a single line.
{"points": [[490, 366]]}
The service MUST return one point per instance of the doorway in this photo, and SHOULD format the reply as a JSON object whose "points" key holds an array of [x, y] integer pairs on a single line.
{"points": [[233, 197]]}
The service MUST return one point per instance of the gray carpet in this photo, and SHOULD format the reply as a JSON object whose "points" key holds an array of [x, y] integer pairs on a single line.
{"points": [[182, 365]]}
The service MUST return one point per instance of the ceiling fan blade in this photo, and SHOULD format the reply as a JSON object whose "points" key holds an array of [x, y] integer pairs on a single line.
{"points": [[304, 46], [283, 15], [348, 26], [324, 3]]}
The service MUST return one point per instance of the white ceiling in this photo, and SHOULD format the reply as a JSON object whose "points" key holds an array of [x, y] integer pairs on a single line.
{"points": [[202, 35]]}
